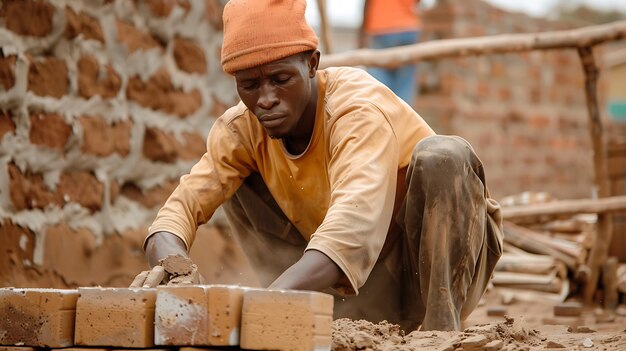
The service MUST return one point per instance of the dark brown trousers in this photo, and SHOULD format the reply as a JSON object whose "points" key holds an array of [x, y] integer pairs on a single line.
{"points": [[434, 276]]}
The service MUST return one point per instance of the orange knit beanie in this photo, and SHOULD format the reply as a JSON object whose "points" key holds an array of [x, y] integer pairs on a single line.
{"points": [[257, 32]]}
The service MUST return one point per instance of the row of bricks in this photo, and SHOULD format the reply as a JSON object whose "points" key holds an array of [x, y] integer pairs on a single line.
{"points": [[198, 315], [169, 348]]}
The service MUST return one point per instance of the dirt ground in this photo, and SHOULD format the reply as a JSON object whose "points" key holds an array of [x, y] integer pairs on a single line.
{"points": [[526, 326]]}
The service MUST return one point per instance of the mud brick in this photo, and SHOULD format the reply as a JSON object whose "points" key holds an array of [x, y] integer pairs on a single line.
{"points": [[286, 320], [198, 315], [569, 321], [116, 317], [225, 304], [496, 311], [568, 309], [17, 348], [181, 316], [37, 317]]}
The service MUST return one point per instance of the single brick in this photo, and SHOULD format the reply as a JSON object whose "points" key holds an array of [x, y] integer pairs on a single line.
{"points": [[160, 146], [48, 77], [568, 309], [32, 18], [81, 187], [18, 348], [152, 197], [158, 93], [37, 317], [181, 316], [189, 56], [198, 315], [7, 71], [116, 317], [103, 139], [225, 303], [84, 24], [94, 80], [49, 130], [28, 191], [496, 311], [286, 320], [134, 38], [6, 122]]}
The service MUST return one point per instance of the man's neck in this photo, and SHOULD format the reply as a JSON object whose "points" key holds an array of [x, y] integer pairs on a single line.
{"points": [[299, 142]]}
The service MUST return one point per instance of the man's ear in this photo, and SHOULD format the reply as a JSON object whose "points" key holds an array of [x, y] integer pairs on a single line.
{"points": [[314, 62]]}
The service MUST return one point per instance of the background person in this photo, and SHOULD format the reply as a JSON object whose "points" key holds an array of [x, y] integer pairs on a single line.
{"points": [[387, 24]]}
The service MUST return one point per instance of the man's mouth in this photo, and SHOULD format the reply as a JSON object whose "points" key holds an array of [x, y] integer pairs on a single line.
{"points": [[272, 121]]}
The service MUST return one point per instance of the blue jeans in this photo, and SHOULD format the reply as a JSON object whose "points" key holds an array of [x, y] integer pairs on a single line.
{"points": [[401, 80]]}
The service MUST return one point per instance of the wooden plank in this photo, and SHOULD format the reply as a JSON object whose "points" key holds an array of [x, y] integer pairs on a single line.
{"points": [[609, 283], [515, 235], [496, 44], [324, 26], [565, 207], [522, 278], [600, 250]]}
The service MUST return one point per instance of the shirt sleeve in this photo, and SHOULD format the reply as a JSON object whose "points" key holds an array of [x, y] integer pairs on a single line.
{"points": [[363, 166], [211, 181]]}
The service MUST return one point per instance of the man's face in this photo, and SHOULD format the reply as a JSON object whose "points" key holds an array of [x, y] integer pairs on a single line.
{"points": [[278, 93]]}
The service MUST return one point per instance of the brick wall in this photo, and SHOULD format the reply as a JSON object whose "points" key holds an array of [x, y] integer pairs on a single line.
{"points": [[525, 113], [103, 106]]}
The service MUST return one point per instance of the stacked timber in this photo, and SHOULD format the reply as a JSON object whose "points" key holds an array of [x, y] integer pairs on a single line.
{"points": [[546, 253]]}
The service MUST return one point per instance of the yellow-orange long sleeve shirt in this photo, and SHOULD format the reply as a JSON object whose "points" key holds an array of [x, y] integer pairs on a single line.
{"points": [[340, 193]]}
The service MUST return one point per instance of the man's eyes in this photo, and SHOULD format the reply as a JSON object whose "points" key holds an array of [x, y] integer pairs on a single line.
{"points": [[252, 84], [281, 79], [247, 85]]}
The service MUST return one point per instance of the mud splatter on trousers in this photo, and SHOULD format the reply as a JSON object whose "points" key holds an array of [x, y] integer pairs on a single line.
{"points": [[434, 275]]}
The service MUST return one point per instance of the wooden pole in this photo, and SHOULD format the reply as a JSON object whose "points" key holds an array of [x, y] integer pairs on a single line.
{"points": [[528, 213], [599, 250], [497, 44], [324, 26], [609, 283]]}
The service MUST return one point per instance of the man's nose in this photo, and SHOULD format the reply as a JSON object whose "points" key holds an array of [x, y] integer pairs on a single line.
{"points": [[267, 97]]}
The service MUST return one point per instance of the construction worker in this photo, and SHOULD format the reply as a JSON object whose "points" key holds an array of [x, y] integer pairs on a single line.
{"points": [[387, 24], [333, 183]]}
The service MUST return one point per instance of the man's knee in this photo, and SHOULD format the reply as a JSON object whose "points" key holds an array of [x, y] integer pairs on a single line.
{"points": [[442, 155]]}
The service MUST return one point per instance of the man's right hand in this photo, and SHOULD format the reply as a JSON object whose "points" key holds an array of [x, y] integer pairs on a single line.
{"points": [[163, 247], [173, 270], [149, 279]]}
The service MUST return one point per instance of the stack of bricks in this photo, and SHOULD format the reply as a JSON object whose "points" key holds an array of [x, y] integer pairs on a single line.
{"points": [[168, 317], [104, 104]]}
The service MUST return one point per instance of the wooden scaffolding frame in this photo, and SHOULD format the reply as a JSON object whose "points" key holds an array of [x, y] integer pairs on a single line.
{"points": [[583, 40]]}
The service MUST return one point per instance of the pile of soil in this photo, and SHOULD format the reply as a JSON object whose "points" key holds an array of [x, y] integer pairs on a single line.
{"points": [[512, 334]]}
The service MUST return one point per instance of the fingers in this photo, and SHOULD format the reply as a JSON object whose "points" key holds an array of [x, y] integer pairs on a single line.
{"points": [[139, 279], [154, 278]]}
